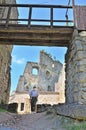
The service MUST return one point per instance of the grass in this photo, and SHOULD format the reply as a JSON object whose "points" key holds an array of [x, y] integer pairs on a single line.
{"points": [[3, 110], [76, 126]]}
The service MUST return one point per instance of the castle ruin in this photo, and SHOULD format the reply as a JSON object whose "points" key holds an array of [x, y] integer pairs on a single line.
{"points": [[73, 37], [43, 74]]}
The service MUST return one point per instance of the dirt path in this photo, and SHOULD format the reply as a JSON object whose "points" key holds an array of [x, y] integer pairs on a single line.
{"points": [[34, 121]]}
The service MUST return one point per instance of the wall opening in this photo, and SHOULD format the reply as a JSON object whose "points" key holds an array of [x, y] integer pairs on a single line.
{"points": [[19, 60], [35, 71], [22, 107]]}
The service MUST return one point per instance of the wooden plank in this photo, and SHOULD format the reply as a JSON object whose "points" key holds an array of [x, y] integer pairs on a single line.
{"points": [[38, 36], [80, 17], [30, 43], [35, 38], [37, 30]]}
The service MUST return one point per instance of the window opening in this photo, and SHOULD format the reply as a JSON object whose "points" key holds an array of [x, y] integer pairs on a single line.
{"points": [[35, 71]]}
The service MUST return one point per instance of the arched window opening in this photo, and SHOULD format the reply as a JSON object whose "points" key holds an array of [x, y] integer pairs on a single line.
{"points": [[35, 71]]}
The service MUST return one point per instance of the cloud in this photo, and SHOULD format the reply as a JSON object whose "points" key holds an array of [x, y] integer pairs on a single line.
{"points": [[18, 61]]}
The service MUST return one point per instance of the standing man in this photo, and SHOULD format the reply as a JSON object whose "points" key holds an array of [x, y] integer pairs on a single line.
{"points": [[34, 97]]}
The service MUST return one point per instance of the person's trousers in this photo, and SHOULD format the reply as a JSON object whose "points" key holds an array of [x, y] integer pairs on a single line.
{"points": [[33, 103]]}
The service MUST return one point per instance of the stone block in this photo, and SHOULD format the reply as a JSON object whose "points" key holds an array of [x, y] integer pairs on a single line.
{"points": [[72, 110]]}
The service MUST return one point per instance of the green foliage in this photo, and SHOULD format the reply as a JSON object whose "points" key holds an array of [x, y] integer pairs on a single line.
{"points": [[3, 110], [76, 126]]}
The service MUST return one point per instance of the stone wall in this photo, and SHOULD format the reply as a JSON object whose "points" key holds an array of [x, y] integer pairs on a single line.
{"points": [[50, 98], [16, 98], [5, 58], [75, 106], [5, 77], [48, 71], [47, 98], [14, 11], [60, 86], [76, 70], [4, 11]]}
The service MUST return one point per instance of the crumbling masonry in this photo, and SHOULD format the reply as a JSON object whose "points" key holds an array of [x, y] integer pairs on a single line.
{"points": [[43, 74], [5, 59]]}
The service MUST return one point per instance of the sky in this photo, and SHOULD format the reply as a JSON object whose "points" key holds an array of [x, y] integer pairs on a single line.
{"points": [[22, 54]]}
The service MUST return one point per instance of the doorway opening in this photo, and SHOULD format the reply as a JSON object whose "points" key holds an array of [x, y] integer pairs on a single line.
{"points": [[24, 58]]}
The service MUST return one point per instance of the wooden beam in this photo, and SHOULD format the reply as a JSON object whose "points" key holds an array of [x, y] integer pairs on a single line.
{"points": [[38, 36], [35, 5]]}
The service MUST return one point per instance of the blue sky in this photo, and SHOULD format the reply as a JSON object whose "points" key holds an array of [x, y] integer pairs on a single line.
{"points": [[22, 54], [81, 2]]}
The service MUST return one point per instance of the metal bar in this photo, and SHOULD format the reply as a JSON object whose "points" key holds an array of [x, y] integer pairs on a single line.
{"points": [[37, 20], [8, 16], [51, 21], [35, 5], [40, 20], [29, 18]]}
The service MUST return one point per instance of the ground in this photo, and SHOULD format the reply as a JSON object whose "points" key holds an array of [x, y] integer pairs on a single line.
{"points": [[34, 121]]}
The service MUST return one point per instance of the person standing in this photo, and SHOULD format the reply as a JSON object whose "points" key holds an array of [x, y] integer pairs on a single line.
{"points": [[34, 97]]}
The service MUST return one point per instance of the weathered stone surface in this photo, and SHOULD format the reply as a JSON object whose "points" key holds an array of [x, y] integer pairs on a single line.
{"points": [[5, 60], [75, 80], [72, 110], [76, 70], [47, 74], [5, 78]]}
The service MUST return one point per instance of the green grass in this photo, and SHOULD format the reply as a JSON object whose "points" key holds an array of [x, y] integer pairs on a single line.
{"points": [[3, 110], [76, 126]]}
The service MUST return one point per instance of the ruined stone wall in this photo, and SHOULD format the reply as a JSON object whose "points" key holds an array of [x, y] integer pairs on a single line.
{"points": [[49, 98], [16, 98], [76, 70], [48, 71], [14, 11], [5, 77], [60, 86], [5, 59], [4, 11]]}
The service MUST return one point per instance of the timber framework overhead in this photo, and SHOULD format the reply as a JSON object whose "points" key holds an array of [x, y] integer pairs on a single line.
{"points": [[36, 31]]}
